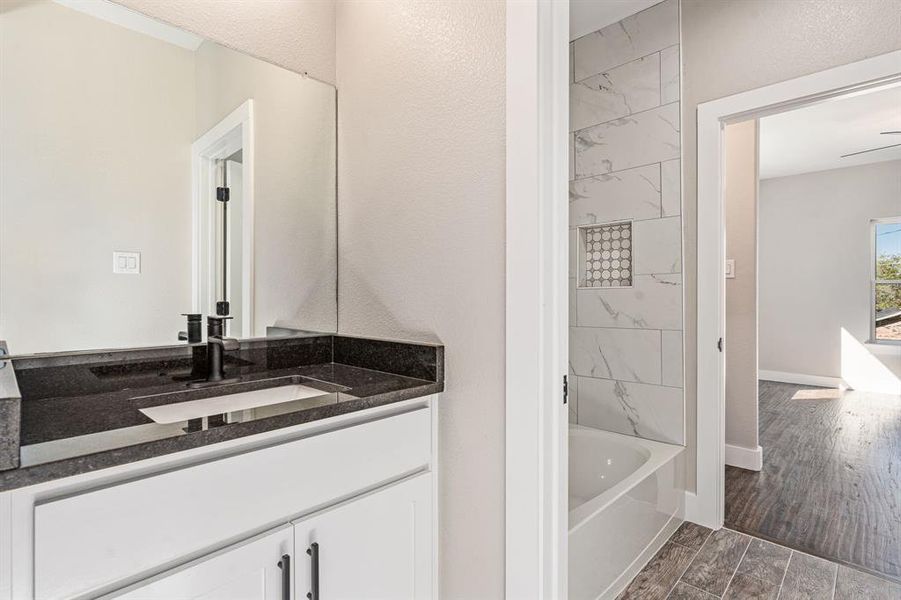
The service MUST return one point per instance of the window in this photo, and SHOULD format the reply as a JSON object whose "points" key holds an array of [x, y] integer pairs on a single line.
{"points": [[886, 280]]}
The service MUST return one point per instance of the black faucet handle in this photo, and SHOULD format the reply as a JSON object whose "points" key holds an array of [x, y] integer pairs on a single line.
{"points": [[194, 334], [215, 325], [217, 318]]}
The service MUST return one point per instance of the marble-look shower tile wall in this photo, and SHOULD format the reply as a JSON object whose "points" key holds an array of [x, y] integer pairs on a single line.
{"points": [[626, 343]]}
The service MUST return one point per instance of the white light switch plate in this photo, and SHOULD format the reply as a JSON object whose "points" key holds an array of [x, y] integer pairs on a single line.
{"points": [[127, 263], [730, 268]]}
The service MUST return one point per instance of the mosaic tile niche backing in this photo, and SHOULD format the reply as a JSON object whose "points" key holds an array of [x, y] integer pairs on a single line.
{"points": [[606, 255]]}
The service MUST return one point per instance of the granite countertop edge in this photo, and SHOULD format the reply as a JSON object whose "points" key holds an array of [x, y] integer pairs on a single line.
{"points": [[25, 476]]}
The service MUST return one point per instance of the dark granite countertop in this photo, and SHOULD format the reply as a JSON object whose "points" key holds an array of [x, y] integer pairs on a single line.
{"points": [[83, 413]]}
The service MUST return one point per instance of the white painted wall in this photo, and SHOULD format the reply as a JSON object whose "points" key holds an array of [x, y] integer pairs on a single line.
{"points": [[295, 260], [421, 247], [299, 34], [71, 192], [814, 273], [730, 46], [740, 194]]}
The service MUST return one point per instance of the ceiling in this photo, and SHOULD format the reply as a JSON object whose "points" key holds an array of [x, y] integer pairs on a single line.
{"points": [[586, 16], [124, 17], [814, 138]]}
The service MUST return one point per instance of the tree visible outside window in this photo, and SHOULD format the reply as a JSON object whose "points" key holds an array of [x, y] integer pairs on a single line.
{"points": [[887, 280]]}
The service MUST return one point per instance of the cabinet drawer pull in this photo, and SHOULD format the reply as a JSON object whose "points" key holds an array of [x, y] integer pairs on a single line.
{"points": [[313, 551], [285, 565]]}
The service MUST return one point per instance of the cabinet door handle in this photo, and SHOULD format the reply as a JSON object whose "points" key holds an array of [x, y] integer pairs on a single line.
{"points": [[285, 565], [313, 551]]}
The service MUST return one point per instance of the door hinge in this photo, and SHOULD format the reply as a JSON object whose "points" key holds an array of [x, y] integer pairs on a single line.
{"points": [[719, 344], [565, 390], [222, 194]]}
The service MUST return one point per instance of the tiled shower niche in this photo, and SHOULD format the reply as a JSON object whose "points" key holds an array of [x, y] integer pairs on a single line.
{"points": [[605, 255]]}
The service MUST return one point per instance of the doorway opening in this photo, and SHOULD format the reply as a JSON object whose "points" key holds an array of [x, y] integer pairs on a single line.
{"points": [[797, 415]]}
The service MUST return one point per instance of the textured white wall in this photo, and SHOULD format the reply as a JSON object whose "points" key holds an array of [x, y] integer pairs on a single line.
{"points": [[107, 169], [740, 194], [297, 34], [814, 267], [421, 237], [729, 46]]}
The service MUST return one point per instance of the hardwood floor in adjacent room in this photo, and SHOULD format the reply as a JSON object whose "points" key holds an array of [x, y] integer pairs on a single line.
{"points": [[831, 479]]}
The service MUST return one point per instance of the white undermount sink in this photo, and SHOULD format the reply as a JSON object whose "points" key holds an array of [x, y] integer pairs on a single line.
{"points": [[193, 409]]}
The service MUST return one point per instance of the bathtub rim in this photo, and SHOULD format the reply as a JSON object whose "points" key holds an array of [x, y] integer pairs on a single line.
{"points": [[660, 454]]}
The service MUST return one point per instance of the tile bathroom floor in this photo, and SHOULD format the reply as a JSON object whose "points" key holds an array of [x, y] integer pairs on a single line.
{"points": [[699, 564]]}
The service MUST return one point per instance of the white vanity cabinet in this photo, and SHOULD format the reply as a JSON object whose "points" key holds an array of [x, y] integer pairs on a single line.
{"points": [[215, 522], [373, 548], [253, 570]]}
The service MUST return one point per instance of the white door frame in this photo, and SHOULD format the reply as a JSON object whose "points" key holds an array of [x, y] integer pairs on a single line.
{"points": [[537, 119], [707, 506], [232, 133]]}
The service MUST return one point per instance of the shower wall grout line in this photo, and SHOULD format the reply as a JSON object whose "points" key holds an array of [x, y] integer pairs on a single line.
{"points": [[608, 69], [594, 175]]}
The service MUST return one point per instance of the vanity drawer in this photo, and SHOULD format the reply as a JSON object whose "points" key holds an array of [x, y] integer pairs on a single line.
{"points": [[122, 532]]}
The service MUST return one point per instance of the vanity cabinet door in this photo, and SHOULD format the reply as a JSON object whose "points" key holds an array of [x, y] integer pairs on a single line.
{"points": [[376, 547], [251, 570]]}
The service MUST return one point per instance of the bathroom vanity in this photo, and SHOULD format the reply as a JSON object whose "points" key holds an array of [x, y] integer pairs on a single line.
{"points": [[329, 494], [156, 182]]}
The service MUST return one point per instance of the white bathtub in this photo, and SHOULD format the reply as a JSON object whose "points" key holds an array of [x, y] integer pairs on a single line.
{"points": [[626, 498]]}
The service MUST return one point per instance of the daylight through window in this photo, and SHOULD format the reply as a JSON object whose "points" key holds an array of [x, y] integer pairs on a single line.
{"points": [[886, 283]]}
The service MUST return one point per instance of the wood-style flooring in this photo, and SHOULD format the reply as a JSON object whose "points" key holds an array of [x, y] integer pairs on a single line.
{"points": [[831, 479], [698, 564]]}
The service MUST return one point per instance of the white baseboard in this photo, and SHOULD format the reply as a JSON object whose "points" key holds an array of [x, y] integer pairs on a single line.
{"points": [[744, 458], [692, 511], [802, 379], [696, 513]]}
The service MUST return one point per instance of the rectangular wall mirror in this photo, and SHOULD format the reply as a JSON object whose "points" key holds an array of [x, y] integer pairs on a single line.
{"points": [[145, 173]]}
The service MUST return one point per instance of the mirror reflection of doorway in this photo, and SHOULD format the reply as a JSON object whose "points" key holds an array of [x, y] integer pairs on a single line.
{"points": [[232, 245], [223, 221]]}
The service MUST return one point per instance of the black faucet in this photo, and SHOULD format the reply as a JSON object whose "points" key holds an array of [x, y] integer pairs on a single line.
{"points": [[192, 334], [216, 345]]}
